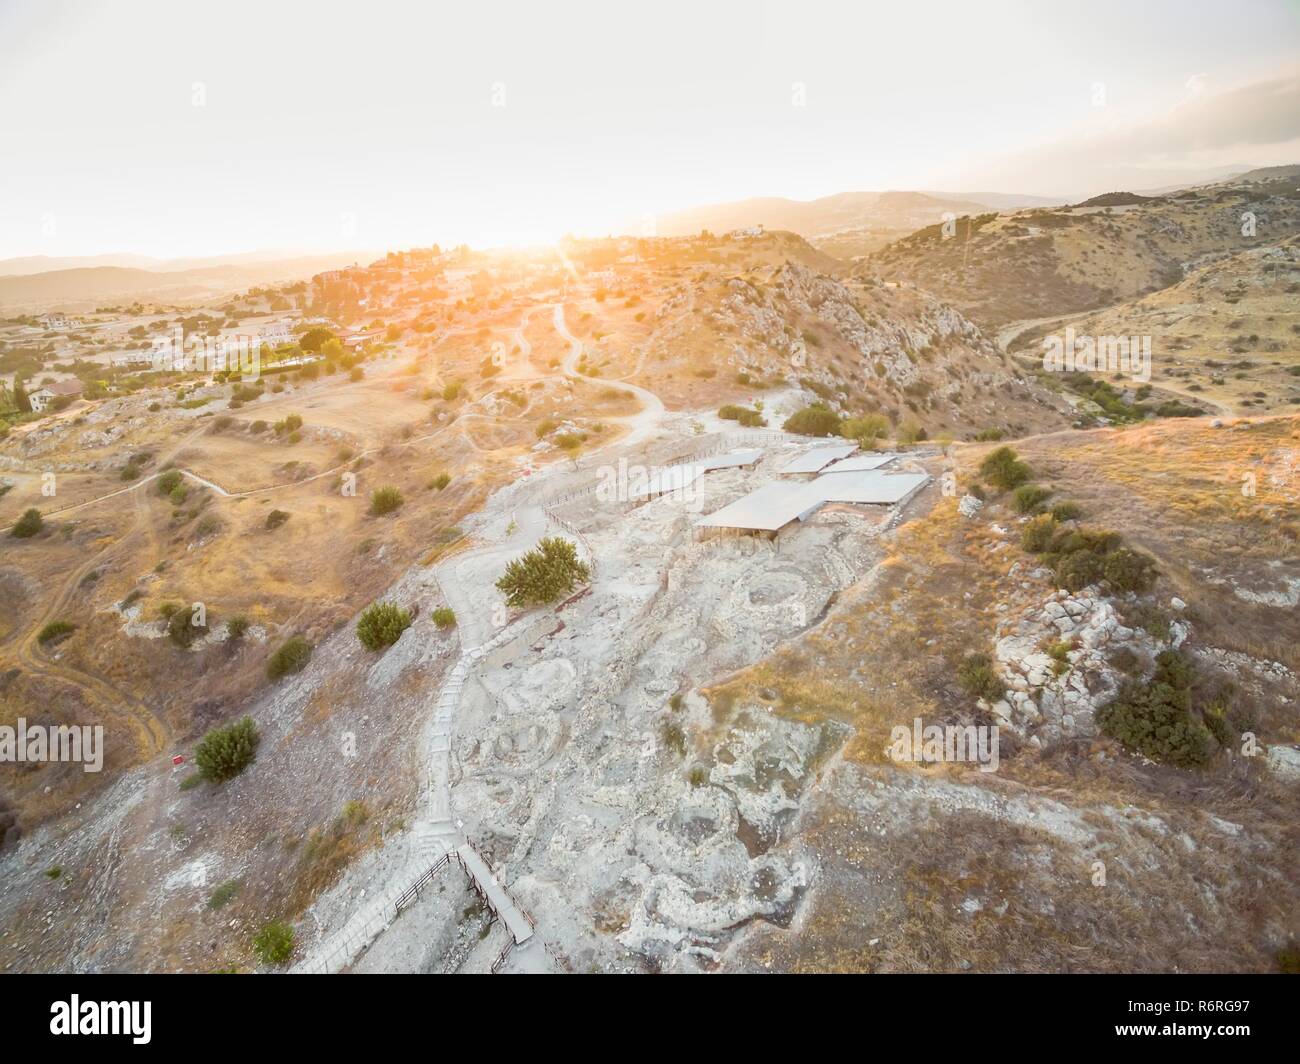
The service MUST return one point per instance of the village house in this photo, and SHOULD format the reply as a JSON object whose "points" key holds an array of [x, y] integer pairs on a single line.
{"points": [[44, 396]]}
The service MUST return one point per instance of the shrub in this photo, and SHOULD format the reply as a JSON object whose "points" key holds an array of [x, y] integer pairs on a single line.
{"points": [[382, 624], [1003, 469], [989, 435], [181, 630], [274, 943], [55, 630], [224, 753], [744, 415], [1155, 718], [1067, 511], [1128, 570], [1029, 498], [451, 391], [977, 678], [385, 500], [237, 626], [275, 519], [169, 481], [441, 481], [292, 656], [28, 525], [224, 894], [814, 420], [1038, 534], [865, 429], [1077, 570], [444, 617], [549, 571]]}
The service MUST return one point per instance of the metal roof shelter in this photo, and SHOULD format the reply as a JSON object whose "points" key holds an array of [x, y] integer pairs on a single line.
{"points": [[872, 486], [733, 459], [674, 478], [767, 509], [818, 458], [860, 463]]}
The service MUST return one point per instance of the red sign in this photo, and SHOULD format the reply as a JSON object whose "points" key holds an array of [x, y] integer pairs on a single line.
{"points": [[179, 759]]}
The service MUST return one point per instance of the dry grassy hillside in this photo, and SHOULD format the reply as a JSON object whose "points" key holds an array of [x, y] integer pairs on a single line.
{"points": [[1229, 333], [861, 348], [1038, 263]]}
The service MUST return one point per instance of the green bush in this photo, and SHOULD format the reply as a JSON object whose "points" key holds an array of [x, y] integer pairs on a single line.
{"points": [[814, 420], [55, 630], [548, 572], [169, 481], [1029, 498], [385, 500], [224, 894], [444, 617], [237, 626], [441, 481], [1003, 469], [865, 429], [292, 656], [1038, 534], [747, 417], [275, 519], [224, 753], [978, 679], [1127, 570], [1155, 717], [382, 624], [28, 525], [181, 630], [274, 943], [1067, 511]]}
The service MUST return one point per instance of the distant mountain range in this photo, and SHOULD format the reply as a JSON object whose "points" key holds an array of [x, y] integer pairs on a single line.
{"points": [[108, 278], [842, 212], [30, 264]]}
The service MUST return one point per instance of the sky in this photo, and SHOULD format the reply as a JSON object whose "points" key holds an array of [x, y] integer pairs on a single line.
{"points": [[184, 129]]}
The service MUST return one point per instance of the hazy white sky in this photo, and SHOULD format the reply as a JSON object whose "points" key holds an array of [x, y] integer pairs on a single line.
{"points": [[179, 128]]}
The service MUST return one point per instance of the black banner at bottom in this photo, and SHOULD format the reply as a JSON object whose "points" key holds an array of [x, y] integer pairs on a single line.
{"points": [[337, 1013]]}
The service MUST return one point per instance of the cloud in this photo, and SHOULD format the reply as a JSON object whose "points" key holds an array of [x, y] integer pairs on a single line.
{"points": [[1198, 139]]}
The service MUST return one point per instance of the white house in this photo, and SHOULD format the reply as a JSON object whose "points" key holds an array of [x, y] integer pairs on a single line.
{"points": [[43, 397]]}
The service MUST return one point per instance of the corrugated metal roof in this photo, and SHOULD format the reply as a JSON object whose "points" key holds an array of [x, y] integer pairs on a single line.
{"points": [[818, 457], [860, 462], [868, 486], [733, 459], [768, 508]]}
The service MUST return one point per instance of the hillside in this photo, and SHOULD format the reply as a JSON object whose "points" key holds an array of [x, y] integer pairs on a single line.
{"points": [[844, 225], [999, 268], [1077, 852], [1229, 334]]}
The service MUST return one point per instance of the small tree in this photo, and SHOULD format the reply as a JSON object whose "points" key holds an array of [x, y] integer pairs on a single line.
{"points": [[549, 571], [292, 656], [224, 753], [385, 500], [382, 624], [1003, 469], [28, 525], [814, 420]]}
